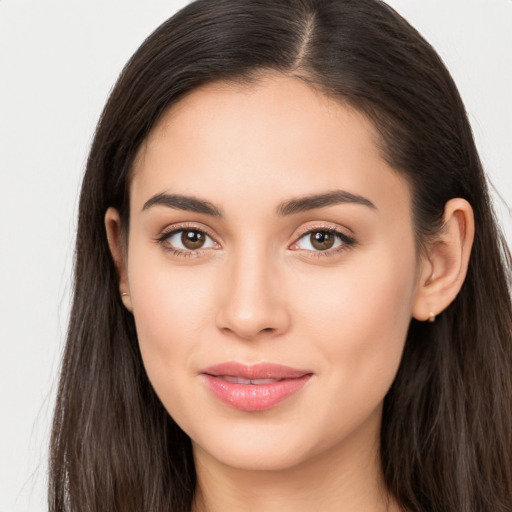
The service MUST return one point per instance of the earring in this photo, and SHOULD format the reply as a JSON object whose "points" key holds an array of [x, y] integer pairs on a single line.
{"points": [[432, 318], [124, 294]]}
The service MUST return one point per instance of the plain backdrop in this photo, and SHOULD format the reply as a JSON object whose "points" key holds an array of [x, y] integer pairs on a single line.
{"points": [[58, 61]]}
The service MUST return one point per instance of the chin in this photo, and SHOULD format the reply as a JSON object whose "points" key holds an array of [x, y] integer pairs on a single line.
{"points": [[260, 446], [255, 457]]}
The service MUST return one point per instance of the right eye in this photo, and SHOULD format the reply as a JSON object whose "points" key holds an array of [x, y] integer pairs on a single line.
{"points": [[188, 240]]}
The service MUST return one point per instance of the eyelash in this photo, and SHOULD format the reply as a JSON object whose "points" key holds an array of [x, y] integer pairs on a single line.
{"points": [[346, 242], [189, 253]]}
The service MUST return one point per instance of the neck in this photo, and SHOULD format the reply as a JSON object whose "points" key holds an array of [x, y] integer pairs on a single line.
{"points": [[346, 478]]}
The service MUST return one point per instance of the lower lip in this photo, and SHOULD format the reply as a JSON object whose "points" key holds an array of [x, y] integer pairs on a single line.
{"points": [[254, 397]]}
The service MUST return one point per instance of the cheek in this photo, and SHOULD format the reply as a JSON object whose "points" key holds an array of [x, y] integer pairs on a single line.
{"points": [[172, 307], [360, 320]]}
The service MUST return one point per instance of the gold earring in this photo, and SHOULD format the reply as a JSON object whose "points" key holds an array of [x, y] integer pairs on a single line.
{"points": [[432, 318]]}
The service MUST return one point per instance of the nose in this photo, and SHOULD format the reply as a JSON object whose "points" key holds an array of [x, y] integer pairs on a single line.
{"points": [[253, 303]]}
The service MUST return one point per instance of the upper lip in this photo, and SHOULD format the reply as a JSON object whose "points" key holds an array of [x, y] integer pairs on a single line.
{"points": [[255, 371]]}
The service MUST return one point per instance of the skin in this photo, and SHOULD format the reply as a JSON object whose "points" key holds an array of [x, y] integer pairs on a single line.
{"points": [[259, 291]]}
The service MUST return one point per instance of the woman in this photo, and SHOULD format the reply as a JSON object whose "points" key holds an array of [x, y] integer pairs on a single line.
{"points": [[290, 290]]}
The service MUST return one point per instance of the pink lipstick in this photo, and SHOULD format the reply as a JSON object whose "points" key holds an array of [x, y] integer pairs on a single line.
{"points": [[254, 387]]}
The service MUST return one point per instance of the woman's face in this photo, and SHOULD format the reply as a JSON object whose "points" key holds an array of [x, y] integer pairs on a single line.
{"points": [[272, 271]]}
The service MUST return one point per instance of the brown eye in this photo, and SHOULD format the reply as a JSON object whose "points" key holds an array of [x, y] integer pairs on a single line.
{"points": [[192, 239], [188, 240], [322, 240]]}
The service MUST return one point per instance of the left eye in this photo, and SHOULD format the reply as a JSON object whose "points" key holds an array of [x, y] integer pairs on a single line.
{"points": [[320, 240], [190, 240]]}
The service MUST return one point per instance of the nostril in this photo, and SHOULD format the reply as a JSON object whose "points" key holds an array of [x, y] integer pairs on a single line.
{"points": [[250, 310]]}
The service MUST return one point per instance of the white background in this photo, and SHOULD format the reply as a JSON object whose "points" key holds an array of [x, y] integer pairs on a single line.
{"points": [[58, 61]]}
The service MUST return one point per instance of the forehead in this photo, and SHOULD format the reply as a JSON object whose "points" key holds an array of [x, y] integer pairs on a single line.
{"points": [[276, 137]]}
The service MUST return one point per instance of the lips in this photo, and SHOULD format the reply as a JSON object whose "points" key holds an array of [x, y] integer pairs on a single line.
{"points": [[254, 387]]}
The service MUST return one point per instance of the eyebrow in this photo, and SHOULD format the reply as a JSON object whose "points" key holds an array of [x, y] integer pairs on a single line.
{"points": [[298, 205], [311, 202], [181, 202]]}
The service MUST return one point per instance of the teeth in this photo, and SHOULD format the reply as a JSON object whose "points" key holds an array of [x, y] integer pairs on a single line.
{"points": [[241, 380], [263, 381], [236, 380]]}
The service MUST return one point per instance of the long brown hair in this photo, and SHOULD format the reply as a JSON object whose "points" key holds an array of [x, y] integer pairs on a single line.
{"points": [[446, 437]]}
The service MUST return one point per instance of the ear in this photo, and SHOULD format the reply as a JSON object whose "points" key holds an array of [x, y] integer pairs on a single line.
{"points": [[118, 251], [445, 264]]}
